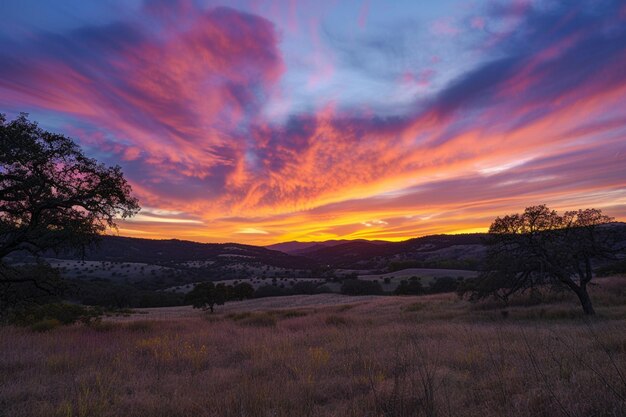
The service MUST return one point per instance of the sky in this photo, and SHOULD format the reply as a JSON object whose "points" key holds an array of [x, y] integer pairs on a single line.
{"points": [[268, 121]]}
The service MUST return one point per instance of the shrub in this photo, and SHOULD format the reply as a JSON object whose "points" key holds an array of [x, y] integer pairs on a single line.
{"points": [[444, 284], [241, 291], [64, 313], [410, 287], [45, 325], [270, 291]]}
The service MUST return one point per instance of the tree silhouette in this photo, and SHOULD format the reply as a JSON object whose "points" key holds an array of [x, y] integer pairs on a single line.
{"points": [[206, 295], [51, 195], [540, 247]]}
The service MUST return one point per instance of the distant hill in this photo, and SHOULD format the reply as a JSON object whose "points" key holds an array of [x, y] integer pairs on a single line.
{"points": [[126, 249], [445, 251], [462, 251], [295, 247]]}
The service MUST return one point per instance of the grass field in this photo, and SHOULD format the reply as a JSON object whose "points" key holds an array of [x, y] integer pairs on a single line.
{"points": [[328, 355]]}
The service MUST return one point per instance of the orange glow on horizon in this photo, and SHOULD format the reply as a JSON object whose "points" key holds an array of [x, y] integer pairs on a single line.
{"points": [[237, 123]]}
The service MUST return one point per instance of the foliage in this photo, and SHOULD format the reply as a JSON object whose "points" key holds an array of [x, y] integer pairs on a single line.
{"points": [[412, 286], [270, 291], [361, 287], [109, 294], [540, 247], [45, 325], [206, 295], [29, 284], [52, 196], [240, 291], [444, 284], [63, 313]]}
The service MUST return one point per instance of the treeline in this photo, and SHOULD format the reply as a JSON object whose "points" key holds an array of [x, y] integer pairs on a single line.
{"points": [[411, 286], [106, 293]]}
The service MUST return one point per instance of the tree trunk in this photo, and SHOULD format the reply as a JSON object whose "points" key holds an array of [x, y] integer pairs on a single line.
{"points": [[585, 301]]}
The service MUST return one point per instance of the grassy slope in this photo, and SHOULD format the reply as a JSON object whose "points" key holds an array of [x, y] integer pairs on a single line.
{"points": [[328, 355]]}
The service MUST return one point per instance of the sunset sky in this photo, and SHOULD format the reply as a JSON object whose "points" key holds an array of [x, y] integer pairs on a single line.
{"points": [[268, 121]]}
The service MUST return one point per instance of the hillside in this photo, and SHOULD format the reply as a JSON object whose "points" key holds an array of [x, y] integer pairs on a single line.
{"points": [[463, 251], [126, 249], [301, 248]]}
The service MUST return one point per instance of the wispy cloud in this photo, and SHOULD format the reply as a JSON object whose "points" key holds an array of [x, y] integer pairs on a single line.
{"points": [[179, 98]]}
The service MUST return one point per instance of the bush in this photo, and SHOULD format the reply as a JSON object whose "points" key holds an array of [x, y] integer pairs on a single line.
{"points": [[410, 287], [63, 313], [108, 294], [241, 291], [45, 325], [361, 287], [444, 284], [270, 291]]}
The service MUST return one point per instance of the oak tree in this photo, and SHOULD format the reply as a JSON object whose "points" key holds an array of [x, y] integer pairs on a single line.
{"points": [[540, 247], [52, 196]]}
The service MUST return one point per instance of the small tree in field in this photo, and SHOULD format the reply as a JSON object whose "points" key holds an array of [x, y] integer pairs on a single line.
{"points": [[206, 295], [51, 195], [541, 247]]}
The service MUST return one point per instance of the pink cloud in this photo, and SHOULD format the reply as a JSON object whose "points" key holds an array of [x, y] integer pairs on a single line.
{"points": [[181, 106]]}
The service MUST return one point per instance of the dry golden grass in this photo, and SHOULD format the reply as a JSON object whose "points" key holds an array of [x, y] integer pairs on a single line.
{"points": [[328, 356]]}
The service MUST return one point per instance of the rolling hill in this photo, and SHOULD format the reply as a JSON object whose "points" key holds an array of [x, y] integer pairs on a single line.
{"points": [[126, 249]]}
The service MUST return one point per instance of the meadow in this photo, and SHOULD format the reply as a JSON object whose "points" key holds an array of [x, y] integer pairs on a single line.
{"points": [[329, 355]]}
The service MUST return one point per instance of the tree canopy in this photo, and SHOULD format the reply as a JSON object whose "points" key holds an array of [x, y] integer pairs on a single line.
{"points": [[206, 295], [540, 247], [52, 196]]}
